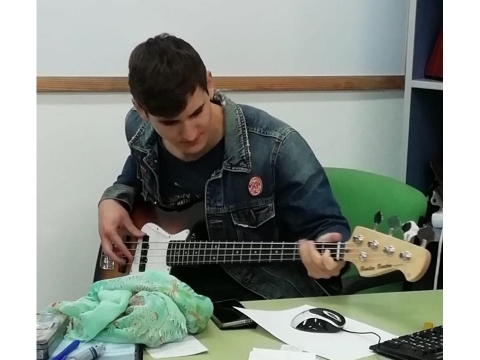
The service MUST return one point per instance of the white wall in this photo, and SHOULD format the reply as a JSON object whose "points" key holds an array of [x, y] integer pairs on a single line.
{"points": [[81, 148], [81, 145], [247, 37]]}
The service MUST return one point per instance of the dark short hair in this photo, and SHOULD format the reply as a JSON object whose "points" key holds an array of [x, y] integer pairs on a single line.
{"points": [[163, 72]]}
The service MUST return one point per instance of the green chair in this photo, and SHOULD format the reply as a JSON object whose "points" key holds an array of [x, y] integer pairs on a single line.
{"points": [[360, 195]]}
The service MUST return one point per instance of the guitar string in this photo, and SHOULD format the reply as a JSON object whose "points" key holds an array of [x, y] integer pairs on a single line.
{"points": [[253, 257], [185, 262], [244, 249], [273, 251], [273, 256], [190, 244], [263, 253], [231, 242], [180, 246]]}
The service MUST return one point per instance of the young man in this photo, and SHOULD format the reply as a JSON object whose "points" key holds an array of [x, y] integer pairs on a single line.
{"points": [[257, 176]]}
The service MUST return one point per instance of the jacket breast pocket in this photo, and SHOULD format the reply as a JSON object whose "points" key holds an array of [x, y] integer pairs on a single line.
{"points": [[255, 223]]}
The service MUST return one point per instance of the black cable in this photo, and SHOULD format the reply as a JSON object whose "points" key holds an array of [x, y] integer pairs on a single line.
{"points": [[368, 332]]}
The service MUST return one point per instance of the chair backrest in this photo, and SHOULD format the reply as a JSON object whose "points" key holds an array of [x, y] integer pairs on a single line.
{"points": [[361, 194]]}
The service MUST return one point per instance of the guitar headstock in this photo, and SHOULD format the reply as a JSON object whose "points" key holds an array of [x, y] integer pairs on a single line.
{"points": [[375, 253]]}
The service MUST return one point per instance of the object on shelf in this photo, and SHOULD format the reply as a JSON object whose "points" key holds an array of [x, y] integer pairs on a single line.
{"points": [[437, 168], [436, 198], [437, 217], [434, 194], [434, 68]]}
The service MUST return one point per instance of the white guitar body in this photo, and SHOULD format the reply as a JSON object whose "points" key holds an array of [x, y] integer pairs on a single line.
{"points": [[158, 240]]}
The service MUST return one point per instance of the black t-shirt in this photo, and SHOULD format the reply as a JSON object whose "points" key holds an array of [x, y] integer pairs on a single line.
{"points": [[182, 184]]}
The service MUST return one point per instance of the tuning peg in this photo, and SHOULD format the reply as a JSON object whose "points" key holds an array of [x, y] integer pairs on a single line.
{"points": [[426, 235], [410, 230], [377, 219], [393, 224]]}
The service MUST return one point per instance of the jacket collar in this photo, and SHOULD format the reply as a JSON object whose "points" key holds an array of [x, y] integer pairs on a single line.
{"points": [[237, 147]]}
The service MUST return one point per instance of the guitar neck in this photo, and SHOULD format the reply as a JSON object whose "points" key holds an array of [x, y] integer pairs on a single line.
{"points": [[208, 252]]}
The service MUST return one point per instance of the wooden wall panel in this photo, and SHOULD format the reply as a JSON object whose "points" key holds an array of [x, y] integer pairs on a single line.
{"points": [[228, 83]]}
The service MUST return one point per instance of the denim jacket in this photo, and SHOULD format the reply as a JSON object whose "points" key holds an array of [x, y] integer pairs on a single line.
{"points": [[294, 200]]}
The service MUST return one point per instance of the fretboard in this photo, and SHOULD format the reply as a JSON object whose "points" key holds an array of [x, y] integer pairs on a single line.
{"points": [[207, 252]]}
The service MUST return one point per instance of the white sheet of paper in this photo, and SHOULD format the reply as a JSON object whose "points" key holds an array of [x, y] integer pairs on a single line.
{"points": [[333, 346], [290, 348], [268, 354], [188, 346]]}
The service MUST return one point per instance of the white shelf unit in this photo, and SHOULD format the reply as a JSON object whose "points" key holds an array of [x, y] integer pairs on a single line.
{"points": [[423, 105], [427, 84], [423, 112]]}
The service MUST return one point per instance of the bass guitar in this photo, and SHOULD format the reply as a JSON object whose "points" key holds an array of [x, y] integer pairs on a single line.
{"points": [[171, 239]]}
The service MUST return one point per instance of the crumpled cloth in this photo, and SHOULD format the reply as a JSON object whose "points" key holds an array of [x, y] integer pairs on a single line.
{"points": [[151, 308]]}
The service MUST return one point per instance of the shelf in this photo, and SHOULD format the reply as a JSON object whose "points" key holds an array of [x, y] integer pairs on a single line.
{"points": [[427, 84], [428, 23], [425, 138], [424, 96]]}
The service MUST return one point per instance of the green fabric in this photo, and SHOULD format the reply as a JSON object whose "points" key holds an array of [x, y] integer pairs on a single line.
{"points": [[361, 194], [150, 308]]}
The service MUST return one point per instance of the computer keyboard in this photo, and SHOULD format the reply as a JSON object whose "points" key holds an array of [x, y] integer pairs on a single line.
{"points": [[420, 345]]}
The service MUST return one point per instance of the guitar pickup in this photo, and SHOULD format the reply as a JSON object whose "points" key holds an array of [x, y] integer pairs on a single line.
{"points": [[144, 253]]}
